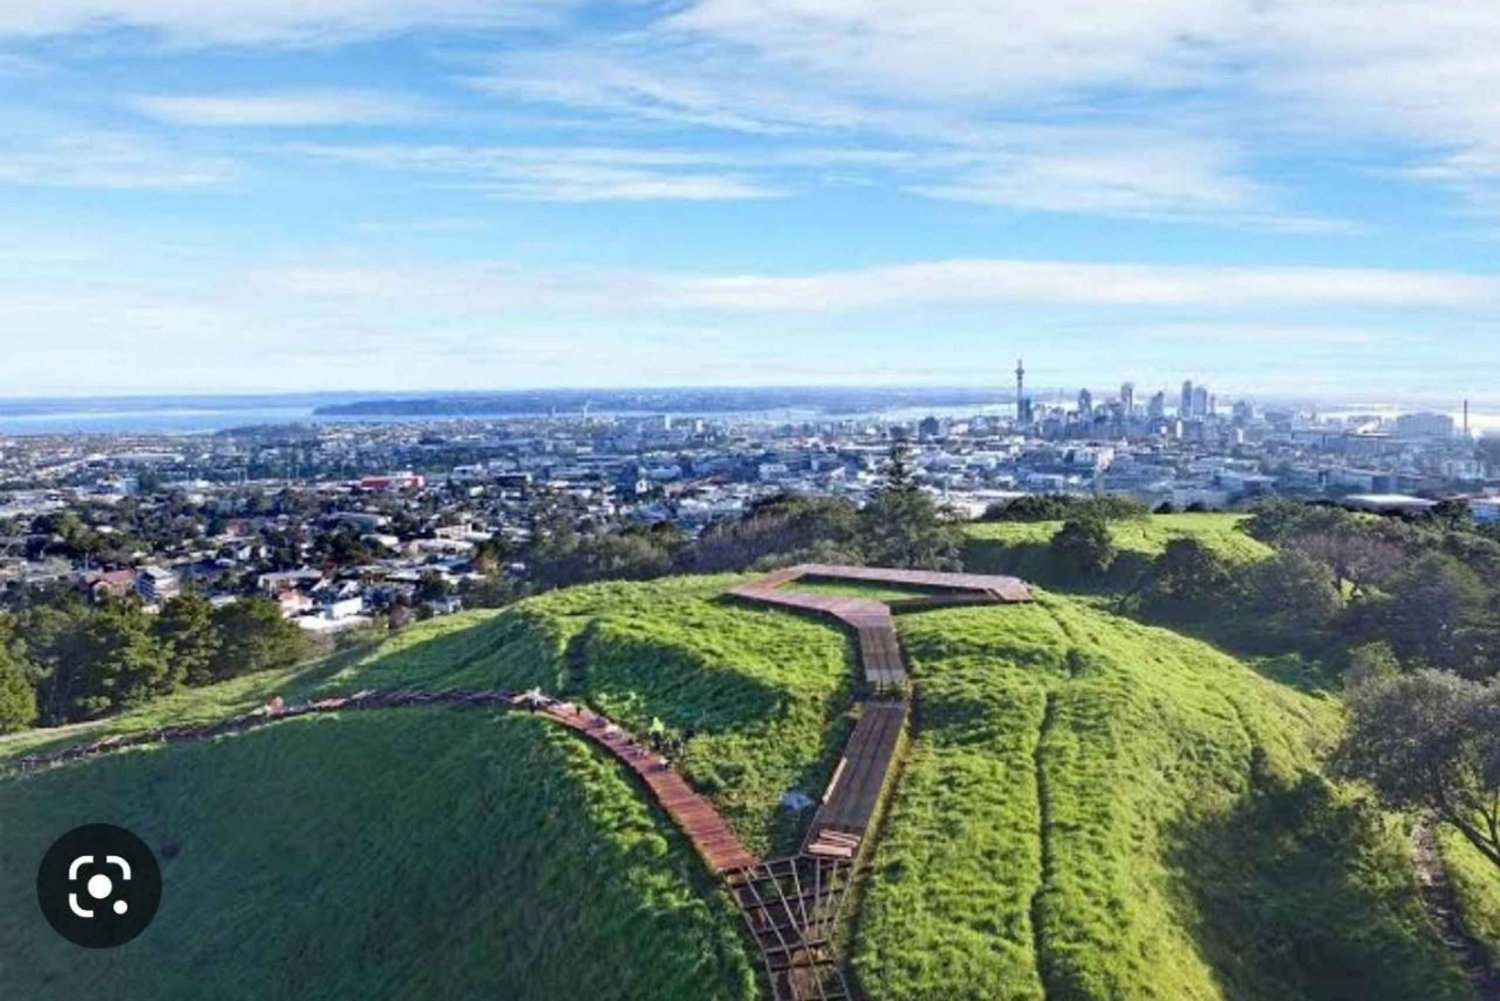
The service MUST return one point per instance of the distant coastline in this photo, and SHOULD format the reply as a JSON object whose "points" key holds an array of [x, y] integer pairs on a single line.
{"points": [[180, 414]]}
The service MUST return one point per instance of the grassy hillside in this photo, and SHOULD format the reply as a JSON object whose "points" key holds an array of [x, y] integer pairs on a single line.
{"points": [[404, 854], [454, 650], [1476, 883], [769, 692], [1096, 809], [1093, 809], [1021, 548]]}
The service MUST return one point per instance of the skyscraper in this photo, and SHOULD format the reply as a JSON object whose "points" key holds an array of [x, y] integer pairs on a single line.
{"points": [[1127, 399], [1157, 408], [1085, 403], [1200, 402], [1185, 401]]}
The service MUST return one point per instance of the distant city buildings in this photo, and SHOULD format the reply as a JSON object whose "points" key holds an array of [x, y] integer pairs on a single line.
{"points": [[1427, 424]]}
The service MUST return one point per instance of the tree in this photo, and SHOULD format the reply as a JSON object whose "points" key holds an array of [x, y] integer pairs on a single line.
{"points": [[186, 627], [1085, 546], [124, 664], [254, 637], [1438, 616], [784, 528], [17, 696], [1187, 570], [1430, 741], [1372, 662], [1298, 593], [902, 526]]}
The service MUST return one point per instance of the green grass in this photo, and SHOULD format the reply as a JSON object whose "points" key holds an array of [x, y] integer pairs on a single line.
{"points": [[1092, 809], [1476, 883], [857, 589], [769, 692], [1096, 809], [1022, 548], [453, 650], [403, 854]]}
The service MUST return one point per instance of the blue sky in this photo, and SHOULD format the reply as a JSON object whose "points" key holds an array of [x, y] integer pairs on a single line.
{"points": [[1294, 196]]}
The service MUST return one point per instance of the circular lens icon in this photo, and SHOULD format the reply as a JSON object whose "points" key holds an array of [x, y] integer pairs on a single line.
{"points": [[99, 886]]}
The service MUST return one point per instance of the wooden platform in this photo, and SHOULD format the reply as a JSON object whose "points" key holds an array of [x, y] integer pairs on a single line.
{"points": [[879, 649], [850, 801], [717, 844]]}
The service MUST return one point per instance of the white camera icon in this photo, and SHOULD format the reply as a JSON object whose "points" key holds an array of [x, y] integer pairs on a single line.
{"points": [[99, 885]]}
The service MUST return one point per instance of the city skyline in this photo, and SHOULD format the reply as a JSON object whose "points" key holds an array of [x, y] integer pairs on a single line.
{"points": [[415, 195]]}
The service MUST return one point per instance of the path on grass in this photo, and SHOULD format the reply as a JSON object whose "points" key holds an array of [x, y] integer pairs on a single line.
{"points": [[710, 835], [1442, 908], [794, 905]]}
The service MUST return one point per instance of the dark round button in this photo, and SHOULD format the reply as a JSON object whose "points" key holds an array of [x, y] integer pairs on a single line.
{"points": [[99, 886]]}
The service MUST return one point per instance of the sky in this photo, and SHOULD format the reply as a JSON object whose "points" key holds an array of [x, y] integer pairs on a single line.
{"points": [[1289, 196]]}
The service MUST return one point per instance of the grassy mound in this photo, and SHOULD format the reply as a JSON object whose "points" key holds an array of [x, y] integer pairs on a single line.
{"points": [[768, 692], [1022, 548], [419, 853], [1096, 809], [1476, 884], [1093, 809]]}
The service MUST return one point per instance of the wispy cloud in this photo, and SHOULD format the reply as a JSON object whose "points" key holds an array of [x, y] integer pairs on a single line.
{"points": [[110, 160], [913, 285], [559, 174], [279, 22], [283, 108]]}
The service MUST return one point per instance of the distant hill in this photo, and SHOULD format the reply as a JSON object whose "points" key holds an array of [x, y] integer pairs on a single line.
{"points": [[1091, 809], [686, 400]]}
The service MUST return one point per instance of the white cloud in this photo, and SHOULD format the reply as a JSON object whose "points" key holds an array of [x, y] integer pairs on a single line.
{"points": [[361, 323], [560, 173], [109, 160], [286, 108], [902, 286], [297, 22]]}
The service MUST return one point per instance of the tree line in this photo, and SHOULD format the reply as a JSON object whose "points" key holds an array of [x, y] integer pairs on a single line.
{"points": [[64, 658]]}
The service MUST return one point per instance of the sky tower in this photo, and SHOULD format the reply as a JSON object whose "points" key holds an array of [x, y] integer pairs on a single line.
{"points": [[1020, 393]]}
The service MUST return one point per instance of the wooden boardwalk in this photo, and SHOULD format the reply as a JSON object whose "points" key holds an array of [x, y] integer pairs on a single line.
{"points": [[871, 620], [717, 844], [793, 904], [848, 809], [709, 834]]}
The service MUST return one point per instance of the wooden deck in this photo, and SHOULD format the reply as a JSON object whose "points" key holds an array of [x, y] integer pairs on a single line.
{"points": [[717, 844], [879, 649], [850, 801], [792, 905]]}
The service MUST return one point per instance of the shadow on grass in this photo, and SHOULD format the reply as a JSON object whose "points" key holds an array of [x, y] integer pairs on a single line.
{"points": [[1299, 895]]}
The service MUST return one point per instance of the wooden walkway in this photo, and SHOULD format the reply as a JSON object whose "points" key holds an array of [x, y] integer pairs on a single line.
{"points": [[709, 834], [717, 844], [879, 648], [793, 904], [848, 809]]}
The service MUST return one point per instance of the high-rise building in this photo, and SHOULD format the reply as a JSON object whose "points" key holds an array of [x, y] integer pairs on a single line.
{"points": [[1185, 401], [1020, 392], [1156, 409], [1201, 406], [1127, 399], [1085, 403]]}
